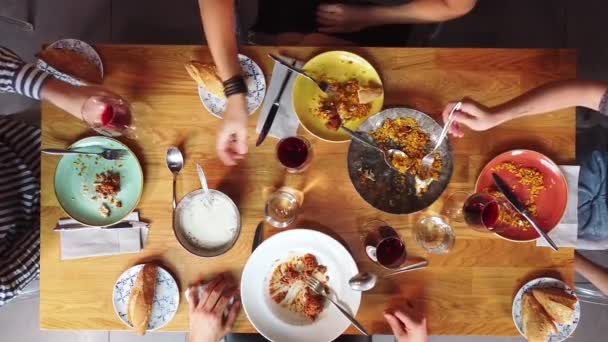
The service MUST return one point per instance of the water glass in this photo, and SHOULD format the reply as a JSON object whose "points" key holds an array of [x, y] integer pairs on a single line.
{"points": [[434, 235]]}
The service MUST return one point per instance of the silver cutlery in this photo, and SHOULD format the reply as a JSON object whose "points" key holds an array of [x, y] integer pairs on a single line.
{"points": [[365, 281], [108, 154], [258, 237], [317, 287], [521, 208], [324, 86], [175, 163], [427, 161], [388, 156]]}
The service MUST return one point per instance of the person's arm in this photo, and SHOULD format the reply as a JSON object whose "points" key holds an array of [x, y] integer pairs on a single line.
{"points": [[546, 98], [19, 77], [334, 18], [597, 275], [219, 23]]}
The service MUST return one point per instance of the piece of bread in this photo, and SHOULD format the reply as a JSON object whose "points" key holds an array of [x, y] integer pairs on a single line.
{"points": [[369, 93], [537, 323], [206, 76], [71, 63], [142, 297], [557, 303]]}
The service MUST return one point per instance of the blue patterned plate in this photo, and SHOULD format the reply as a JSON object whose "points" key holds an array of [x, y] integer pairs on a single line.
{"points": [[75, 45], [166, 297], [256, 89], [563, 330]]}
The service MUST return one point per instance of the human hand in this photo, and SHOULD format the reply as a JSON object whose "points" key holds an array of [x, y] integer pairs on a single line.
{"points": [[71, 98], [405, 329], [338, 18], [232, 136], [472, 115], [207, 322]]}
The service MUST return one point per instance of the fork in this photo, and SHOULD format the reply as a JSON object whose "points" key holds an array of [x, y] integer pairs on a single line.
{"points": [[105, 154], [318, 288], [427, 161], [324, 86]]}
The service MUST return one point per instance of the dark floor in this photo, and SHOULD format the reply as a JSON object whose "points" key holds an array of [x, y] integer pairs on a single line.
{"points": [[493, 23]]}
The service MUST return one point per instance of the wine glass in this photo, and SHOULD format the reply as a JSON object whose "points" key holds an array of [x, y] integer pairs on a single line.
{"points": [[294, 153], [453, 206], [384, 245], [108, 115], [482, 211]]}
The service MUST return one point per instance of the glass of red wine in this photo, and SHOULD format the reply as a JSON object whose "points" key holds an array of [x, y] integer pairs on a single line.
{"points": [[294, 153], [108, 115], [481, 212], [383, 245]]}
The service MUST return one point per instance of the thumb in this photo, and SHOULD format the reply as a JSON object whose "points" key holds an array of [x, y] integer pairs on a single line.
{"points": [[465, 119], [332, 8], [241, 141], [396, 326]]}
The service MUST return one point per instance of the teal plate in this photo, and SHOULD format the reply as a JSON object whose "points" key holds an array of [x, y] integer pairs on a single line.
{"points": [[75, 182]]}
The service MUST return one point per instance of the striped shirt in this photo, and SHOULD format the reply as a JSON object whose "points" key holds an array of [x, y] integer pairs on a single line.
{"points": [[19, 182]]}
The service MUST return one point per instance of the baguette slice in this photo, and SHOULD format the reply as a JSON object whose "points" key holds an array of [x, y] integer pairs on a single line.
{"points": [[369, 93], [71, 63], [206, 76], [537, 324], [141, 299], [558, 304]]}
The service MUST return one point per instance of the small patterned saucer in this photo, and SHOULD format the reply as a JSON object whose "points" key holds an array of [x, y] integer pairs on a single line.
{"points": [[256, 89], [563, 330], [166, 297], [75, 45]]}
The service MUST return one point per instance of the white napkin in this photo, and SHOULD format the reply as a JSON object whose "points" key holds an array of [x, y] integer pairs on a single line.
{"points": [[286, 121], [565, 234], [77, 241]]}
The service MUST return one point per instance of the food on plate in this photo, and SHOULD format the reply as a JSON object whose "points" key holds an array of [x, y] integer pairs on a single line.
{"points": [[104, 210], [141, 298], [532, 181], [288, 289], [557, 303], [206, 77], [71, 63], [406, 135], [346, 101], [537, 323], [107, 186]]}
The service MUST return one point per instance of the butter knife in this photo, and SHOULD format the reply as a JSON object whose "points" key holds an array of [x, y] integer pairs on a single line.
{"points": [[258, 237], [521, 208], [272, 113]]}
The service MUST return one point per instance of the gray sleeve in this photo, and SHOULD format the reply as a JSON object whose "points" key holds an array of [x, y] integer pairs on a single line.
{"points": [[603, 108]]}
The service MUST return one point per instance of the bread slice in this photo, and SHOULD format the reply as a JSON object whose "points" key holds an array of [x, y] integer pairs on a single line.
{"points": [[557, 303], [369, 93], [71, 63], [206, 76], [142, 297], [537, 324]]}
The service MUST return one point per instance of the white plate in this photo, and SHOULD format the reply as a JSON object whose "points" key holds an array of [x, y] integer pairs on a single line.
{"points": [[166, 297], [75, 45], [256, 89], [563, 330], [279, 324]]}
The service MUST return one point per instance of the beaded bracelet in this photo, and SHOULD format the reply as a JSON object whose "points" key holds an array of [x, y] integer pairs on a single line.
{"points": [[234, 85]]}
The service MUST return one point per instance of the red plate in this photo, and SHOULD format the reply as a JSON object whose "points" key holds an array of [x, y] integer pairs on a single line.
{"points": [[551, 202]]}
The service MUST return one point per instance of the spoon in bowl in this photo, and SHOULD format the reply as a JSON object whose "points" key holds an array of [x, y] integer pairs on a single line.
{"points": [[388, 155], [175, 163], [365, 281]]}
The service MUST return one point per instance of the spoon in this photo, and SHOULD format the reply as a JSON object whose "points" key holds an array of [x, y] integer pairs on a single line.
{"points": [[365, 281], [203, 180], [427, 161], [175, 162], [388, 155]]}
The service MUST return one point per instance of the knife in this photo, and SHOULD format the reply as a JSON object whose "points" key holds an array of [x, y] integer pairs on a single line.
{"points": [[514, 201], [258, 237], [273, 110]]}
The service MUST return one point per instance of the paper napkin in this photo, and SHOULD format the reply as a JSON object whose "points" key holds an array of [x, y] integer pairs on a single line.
{"points": [[286, 121]]}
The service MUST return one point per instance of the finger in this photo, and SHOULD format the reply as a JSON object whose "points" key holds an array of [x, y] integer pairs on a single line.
{"points": [[471, 109], [241, 142], [403, 317], [446, 111], [212, 284], [331, 8], [456, 130], [193, 298], [215, 296], [222, 303], [234, 312], [465, 119], [222, 148], [396, 326]]}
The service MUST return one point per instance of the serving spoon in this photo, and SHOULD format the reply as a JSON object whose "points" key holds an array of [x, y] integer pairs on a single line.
{"points": [[175, 163], [388, 155], [365, 281]]}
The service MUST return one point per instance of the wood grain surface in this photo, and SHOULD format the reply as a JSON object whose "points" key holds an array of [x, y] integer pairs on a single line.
{"points": [[466, 292]]}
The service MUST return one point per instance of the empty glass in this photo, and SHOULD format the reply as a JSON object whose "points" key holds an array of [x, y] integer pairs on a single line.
{"points": [[434, 235], [453, 206]]}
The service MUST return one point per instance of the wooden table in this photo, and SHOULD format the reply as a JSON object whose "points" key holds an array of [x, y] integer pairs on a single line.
{"points": [[466, 292]]}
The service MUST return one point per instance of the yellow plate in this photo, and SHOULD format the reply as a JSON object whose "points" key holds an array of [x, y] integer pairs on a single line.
{"points": [[341, 66]]}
